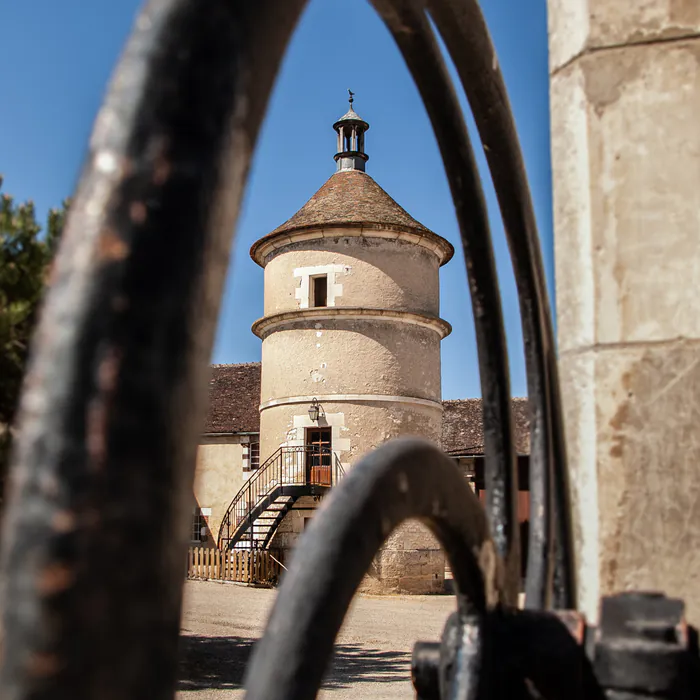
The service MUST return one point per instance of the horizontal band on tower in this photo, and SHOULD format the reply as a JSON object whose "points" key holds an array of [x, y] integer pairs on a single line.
{"points": [[267, 245], [268, 324], [349, 398]]}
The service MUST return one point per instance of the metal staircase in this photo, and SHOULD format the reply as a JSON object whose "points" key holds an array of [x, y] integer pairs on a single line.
{"points": [[259, 507]]}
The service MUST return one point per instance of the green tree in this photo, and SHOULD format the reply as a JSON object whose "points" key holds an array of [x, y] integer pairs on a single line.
{"points": [[25, 258]]}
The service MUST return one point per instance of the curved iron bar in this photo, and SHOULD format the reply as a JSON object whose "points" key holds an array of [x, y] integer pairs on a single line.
{"points": [[465, 33], [406, 478], [110, 412], [409, 26]]}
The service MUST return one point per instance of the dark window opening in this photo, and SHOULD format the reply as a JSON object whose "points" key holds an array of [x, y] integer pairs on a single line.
{"points": [[320, 290], [199, 527], [255, 455]]}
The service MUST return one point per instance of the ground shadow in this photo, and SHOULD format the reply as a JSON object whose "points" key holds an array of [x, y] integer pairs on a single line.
{"points": [[219, 662]]}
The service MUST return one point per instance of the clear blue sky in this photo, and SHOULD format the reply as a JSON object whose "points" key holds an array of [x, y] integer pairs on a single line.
{"points": [[57, 57]]}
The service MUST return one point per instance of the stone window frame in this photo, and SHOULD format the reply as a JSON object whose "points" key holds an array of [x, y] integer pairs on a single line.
{"points": [[333, 288]]}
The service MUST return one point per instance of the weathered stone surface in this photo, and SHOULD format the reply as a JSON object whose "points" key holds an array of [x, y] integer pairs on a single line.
{"points": [[579, 25], [625, 99], [376, 273], [648, 454], [634, 449], [406, 570], [579, 403], [627, 195], [412, 535]]}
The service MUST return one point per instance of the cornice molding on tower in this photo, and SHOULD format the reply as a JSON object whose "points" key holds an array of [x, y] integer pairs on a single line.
{"points": [[282, 321], [265, 247], [351, 398]]}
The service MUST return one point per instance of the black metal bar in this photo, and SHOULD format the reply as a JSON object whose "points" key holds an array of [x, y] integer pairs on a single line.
{"points": [[409, 26], [462, 26], [407, 478], [108, 423], [251, 503]]}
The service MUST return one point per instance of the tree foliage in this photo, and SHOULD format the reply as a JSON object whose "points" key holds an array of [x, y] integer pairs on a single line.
{"points": [[25, 258]]}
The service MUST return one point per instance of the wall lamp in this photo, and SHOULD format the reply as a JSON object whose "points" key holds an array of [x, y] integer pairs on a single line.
{"points": [[314, 410]]}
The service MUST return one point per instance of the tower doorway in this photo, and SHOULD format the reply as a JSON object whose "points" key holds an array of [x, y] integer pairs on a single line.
{"points": [[318, 456]]}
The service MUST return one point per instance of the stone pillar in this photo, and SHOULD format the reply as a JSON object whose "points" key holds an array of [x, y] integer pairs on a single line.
{"points": [[625, 102]]}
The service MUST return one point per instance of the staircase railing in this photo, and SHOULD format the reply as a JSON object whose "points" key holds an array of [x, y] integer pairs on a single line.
{"points": [[301, 465]]}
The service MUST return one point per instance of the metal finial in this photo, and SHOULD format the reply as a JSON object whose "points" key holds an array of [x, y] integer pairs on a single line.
{"points": [[351, 98]]}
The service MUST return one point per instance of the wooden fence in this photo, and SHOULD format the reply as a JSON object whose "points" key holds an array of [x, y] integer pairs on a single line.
{"points": [[246, 566]]}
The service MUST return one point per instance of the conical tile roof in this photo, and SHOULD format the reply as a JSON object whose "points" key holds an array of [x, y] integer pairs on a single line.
{"points": [[351, 197]]}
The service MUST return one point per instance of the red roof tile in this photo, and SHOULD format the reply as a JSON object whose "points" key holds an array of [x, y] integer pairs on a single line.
{"points": [[463, 428], [352, 198], [234, 399]]}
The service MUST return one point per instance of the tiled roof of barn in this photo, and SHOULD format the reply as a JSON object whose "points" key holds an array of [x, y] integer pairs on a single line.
{"points": [[234, 398], [351, 197], [463, 429]]}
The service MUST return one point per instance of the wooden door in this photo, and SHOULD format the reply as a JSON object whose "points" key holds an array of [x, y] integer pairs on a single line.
{"points": [[318, 456]]}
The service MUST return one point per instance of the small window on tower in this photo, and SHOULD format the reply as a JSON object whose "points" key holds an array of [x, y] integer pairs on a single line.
{"points": [[319, 290]]}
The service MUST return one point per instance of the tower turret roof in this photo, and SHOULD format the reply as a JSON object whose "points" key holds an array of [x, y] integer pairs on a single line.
{"points": [[351, 116], [351, 197]]}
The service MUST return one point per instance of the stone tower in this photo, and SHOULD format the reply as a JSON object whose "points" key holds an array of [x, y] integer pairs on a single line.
{"points": [[352, 322]]}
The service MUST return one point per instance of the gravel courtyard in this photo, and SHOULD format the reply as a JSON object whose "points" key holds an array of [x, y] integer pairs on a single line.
{"points": [[221, 623]]}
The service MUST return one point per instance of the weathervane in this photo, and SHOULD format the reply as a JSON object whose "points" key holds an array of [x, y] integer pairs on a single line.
{"points": [[351, 98]]}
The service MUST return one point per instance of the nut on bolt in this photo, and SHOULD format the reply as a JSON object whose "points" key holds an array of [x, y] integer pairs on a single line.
{"points": [[642, 646]]}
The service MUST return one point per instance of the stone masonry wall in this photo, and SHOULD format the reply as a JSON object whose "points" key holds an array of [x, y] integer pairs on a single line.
{"points": [[625, 102]]}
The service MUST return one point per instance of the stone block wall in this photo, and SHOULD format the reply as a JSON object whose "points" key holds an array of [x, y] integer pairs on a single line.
{"points": [[625, 106], [410, 562]]}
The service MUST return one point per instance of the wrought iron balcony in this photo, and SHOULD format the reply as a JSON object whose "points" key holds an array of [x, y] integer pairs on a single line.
{"points": [[260, 505]]}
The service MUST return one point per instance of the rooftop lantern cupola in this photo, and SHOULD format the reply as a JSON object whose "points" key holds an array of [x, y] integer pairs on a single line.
{"points": [[351, 140]]}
